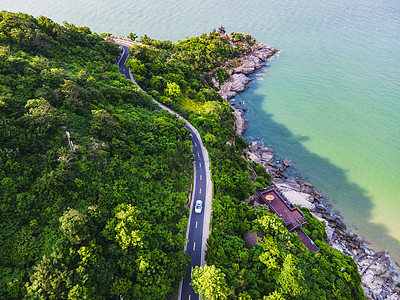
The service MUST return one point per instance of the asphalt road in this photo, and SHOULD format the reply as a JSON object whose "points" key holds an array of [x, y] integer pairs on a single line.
{"points": [[122, 62], [196, 221]]}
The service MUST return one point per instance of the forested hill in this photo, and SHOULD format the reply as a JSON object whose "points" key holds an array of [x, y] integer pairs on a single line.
{"points": [[280, 267], [106, 217]]}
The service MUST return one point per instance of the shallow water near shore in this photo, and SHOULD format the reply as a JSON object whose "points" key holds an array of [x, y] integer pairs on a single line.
{"points": [[330, 100]]}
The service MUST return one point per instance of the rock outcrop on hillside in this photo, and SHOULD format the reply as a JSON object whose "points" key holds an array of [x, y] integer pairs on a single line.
{"points": [[250, 62]]}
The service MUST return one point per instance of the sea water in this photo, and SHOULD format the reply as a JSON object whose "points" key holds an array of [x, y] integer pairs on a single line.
{"points": [[330, 102]]}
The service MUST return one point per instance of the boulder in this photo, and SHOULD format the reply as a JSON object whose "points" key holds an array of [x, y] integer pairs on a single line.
{"points": [[252, 157], [238, 82], [267, 156], [340, 224], [299, 198], [240, 121]]}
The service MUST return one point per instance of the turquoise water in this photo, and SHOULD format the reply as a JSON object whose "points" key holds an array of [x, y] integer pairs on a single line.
{"points": [[330, 102]]}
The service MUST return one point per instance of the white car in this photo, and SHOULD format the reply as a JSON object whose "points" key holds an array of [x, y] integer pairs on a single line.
{"points": [[199, 207]]}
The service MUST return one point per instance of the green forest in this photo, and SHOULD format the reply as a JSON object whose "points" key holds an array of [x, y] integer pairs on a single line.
{"points": [[106, 216], [279, 267]]}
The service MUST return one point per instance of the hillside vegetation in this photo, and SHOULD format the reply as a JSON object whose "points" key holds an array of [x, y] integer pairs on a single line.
{"points": [[106, 218], [279, 267]]}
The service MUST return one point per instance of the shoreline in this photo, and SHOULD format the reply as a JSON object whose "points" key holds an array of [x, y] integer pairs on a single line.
{"points": [[379, 277]]}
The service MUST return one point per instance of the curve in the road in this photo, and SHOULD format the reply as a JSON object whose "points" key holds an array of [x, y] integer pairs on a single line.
{"points": [[198, 229]]}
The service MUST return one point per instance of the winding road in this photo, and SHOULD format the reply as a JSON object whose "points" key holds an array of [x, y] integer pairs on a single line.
{"points": [[199, 224]]}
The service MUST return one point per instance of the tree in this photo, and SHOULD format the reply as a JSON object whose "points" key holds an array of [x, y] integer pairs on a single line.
{"points": [[172, 90], [274, 296], [103, 124], [290, 279], [132, 36], [273, 225], [50, 279], [73, 225], [271, 255], [209, 282], [210, 139], [126, 226], [42, 114]]}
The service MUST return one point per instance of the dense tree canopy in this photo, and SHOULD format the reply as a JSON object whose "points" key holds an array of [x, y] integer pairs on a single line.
{"points": [[279, 267], [106, 217], [209, 282]]}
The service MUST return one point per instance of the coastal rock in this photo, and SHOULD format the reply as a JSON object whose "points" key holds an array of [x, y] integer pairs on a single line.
{"points": [[379, 279], [253, 158], [261, 154], [248, 63], [240, 121], [286, 163], [267, 156], [287, 185], [329, 232], [251, 64], [321, 208], [229, 95], [296, 197], [237, 83], [340, 224], [263, 51]]}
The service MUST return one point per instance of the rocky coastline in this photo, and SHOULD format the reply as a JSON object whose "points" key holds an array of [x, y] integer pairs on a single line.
{"points": [[253, 60], [379, 277]]}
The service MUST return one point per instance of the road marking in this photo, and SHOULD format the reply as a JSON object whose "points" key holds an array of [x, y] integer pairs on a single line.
{"points": [[201, 176], [200, 190], [196, 224], [189, 297], [200, 165], [194, 246], [195, 144], [198, 154]]}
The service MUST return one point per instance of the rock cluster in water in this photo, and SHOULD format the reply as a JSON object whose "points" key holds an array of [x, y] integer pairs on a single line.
{"points": [[253, 60], [379, 279]]}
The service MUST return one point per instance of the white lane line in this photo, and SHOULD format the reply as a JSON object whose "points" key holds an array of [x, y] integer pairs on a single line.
{"points": [[200, 190], [201, 176], [200, 165], [198, 154], [196, 224], [194, 246], [195, 144]]}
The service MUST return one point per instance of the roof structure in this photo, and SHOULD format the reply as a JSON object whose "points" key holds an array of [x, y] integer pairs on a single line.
{"points": [[292, 217]]}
